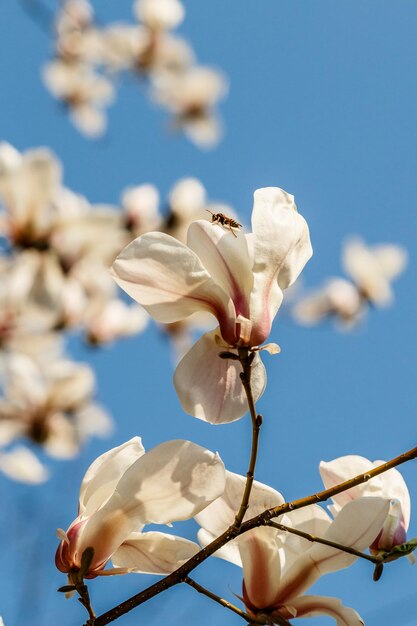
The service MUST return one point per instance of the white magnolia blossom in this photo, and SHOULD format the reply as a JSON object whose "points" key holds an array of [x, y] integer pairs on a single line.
{"points": [[28, 183], [22, 465], [238, 278], [373, 268], [123, 490], [279, 567], [390, 485], [50, 403], [371, 271]]}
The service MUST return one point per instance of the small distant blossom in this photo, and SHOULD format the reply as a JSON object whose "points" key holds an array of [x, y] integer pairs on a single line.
{"points": [[279, 567], [390, 485], [338, 298], [113, 319], [371, 270], [237, 278], [126, 488], [85, 92], [192, 96]]}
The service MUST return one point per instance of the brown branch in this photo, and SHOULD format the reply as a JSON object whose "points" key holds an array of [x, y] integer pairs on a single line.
{"points": [[246, 360], [260, 520], [225, 603]]}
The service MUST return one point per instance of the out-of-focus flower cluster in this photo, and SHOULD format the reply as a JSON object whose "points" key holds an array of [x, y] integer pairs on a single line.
{"points": [[89, 57], [55, 253], [371, 270]]}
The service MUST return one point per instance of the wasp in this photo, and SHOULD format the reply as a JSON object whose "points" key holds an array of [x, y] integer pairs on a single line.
{"points": [[223, 220]]}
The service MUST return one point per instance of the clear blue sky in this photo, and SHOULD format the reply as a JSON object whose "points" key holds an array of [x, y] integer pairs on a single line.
{"points": [[322, 103]]}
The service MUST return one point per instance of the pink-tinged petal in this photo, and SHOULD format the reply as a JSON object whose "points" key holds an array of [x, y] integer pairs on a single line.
{"points": [[261, 567], [355, 526], [169, 281], [221, 513], [105, 472], [209, 387], [226, 258], [154, 553], [308, 606], [281, 249]]}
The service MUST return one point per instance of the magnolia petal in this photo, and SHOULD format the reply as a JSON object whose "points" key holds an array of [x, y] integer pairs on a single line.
{"points": [[277, 224], [225, 256], [308, 606], [261, 566], [221, 513], [172, 482], [281, 249], [209, 387], [338, 471], [357, 524], [105, 472], [229, 552], [154, 553], [394, 486], [310, 519], [168, 279], [391, 259]]}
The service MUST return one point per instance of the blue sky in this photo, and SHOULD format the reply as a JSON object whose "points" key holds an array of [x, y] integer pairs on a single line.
{"points": [[322, 103]]}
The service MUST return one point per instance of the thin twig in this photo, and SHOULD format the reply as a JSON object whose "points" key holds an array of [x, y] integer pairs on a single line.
{"points": [[231, 533], [225, 603], [326, 542], [246, 359]]}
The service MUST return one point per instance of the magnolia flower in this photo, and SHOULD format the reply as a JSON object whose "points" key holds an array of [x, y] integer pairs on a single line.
{"points": [[390, 485], [237, 278], [373, 268], [278, 567], [123, 490]]}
